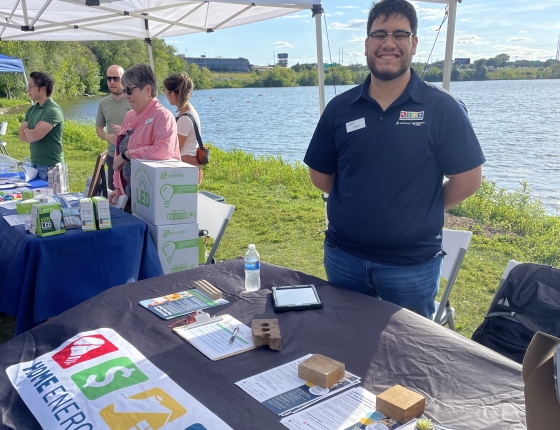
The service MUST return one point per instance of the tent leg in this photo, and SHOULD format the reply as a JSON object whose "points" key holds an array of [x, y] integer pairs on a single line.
{"points": [[317, 13], [26, 83], [448, 63], [150, 55]]}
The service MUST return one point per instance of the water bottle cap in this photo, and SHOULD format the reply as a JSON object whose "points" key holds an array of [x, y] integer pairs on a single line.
{"points": [[251, 246]]}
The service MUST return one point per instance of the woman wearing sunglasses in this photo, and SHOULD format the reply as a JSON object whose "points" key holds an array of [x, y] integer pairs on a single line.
{"points": [[178, 89], [149, 130]]}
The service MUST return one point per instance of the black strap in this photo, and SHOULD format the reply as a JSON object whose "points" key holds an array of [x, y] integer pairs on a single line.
{"points": [[198, 138]]}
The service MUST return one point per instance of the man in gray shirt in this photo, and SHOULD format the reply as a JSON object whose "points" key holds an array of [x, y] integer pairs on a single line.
{"points": [[110, 115]]}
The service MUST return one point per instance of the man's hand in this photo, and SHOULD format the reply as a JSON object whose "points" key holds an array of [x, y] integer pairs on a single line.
{"points": [[118, 163], [111, 138], [321, 180], [461, 186], [116, 129]]}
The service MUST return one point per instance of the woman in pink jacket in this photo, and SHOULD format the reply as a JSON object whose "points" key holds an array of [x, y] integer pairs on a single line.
{"points": [[149, 130]]}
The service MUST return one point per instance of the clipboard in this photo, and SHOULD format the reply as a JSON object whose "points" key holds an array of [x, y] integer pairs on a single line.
{"points": [[212, 337]]}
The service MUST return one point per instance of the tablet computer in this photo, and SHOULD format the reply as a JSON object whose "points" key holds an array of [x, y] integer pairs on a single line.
{"points": [[295, 297]]}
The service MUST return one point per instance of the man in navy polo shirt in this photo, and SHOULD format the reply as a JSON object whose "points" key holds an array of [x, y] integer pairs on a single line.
{"points": [[381, 151]]}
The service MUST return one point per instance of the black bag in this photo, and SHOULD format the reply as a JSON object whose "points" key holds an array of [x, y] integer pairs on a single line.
{"points": [[528, 301], [202, 153]]}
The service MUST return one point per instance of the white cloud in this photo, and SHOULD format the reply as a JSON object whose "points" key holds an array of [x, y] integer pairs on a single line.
{"points": [[470, 40], [465, 19], [520, 39], [346, 7], [522, 31], [357, 39], [433, 28], [429, 13], [522, 52], [282, 45], [353, 24]]}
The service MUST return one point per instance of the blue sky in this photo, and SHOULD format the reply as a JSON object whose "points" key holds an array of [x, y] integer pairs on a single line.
{"points": [[524, 29]]}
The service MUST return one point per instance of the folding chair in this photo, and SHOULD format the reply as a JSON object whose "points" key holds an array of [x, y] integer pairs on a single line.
{"points": [[214, 217], [455, 244], [3, 128]]}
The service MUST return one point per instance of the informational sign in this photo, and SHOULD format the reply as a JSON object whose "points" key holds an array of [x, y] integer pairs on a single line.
{"points": [[97, 380], [462, 61]]}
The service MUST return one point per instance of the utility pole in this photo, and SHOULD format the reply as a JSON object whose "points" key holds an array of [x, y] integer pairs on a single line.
{"points": [[558, 50]]}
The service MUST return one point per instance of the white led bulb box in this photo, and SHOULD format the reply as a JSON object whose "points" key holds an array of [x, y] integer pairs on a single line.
{"points": [[177, 246], [164, 192], [102, 212], [87, 216], [47, 219]]}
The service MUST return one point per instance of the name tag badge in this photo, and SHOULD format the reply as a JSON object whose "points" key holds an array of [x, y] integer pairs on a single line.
{"points": [[355, 125], [149, 120]]}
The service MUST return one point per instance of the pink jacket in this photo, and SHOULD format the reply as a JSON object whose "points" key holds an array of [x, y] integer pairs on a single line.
{"points": [[154, 137]]}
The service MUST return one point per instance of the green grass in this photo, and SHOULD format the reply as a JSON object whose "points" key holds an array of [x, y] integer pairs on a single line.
{"points": [[279, 210], [6, 103]]}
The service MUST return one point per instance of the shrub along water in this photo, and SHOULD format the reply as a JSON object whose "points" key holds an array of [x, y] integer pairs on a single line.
{"points": [[279, 209]]}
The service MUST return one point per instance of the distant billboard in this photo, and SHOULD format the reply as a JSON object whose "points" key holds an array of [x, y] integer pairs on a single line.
{"points": [[462, 61], [282, 56]]}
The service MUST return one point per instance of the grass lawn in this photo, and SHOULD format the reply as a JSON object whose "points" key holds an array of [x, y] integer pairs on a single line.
{"points": [[279, 210]]}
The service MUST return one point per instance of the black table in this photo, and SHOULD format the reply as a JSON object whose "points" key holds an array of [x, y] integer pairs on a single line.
{"points": [[43, 276], [465, 384]]}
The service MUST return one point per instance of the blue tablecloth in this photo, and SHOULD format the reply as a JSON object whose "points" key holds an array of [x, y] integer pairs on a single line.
{"points": [[44, 276], [35, 183]]}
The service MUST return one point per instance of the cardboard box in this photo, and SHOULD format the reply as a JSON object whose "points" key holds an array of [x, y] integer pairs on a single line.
{"points": [[541, 378], [26, 193], [87, 216], [47, 219], [177, 246], [102, 212], [25, 206], [164, 192]]}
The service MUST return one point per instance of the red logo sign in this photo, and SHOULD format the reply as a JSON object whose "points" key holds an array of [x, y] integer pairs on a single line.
{"points": [[83, 349]]}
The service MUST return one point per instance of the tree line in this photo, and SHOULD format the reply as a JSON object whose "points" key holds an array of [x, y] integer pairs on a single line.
{"points": [[79, 67]]}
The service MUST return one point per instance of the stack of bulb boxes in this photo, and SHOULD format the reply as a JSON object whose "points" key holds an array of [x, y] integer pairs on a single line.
{"points": [[164, 194]]}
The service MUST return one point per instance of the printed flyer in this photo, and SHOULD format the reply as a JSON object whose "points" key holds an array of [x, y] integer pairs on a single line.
{"points": [[283, 392], [351, 410], [97, 380], [182, 303]]}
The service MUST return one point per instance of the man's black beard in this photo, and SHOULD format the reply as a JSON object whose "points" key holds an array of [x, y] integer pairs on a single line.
{"points": [[386, 76]]}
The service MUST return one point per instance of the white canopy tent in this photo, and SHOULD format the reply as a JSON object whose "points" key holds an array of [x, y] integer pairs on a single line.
{"points": [[81, 20]]}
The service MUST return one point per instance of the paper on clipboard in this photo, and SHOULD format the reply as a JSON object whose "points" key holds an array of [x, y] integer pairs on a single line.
{"points": [[213, 338]]}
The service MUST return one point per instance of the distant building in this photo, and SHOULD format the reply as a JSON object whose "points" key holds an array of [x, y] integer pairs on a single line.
{"points": [[219, 64], [283, 60], [262, 68]]}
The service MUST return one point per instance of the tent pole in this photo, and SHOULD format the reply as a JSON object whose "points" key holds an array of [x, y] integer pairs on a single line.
{"points": [[317, 13], [148, 41], [26, 82], [448, 63]]}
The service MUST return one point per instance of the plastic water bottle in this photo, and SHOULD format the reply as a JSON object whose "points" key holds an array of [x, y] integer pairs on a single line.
{"points": [[252, 269], [27, 162]]}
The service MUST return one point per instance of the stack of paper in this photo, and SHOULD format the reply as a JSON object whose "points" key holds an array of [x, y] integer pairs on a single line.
{"points": [[283, 392]]}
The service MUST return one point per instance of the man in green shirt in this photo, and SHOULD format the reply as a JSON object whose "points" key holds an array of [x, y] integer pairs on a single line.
{"points": [[110, 114], [43, 125]]}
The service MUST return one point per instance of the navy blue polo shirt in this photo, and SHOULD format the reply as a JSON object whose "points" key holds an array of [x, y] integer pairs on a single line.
{"points": [[386, 204]]}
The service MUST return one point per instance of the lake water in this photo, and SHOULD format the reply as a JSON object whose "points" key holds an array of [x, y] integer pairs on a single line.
{"points": [[517, 123]]}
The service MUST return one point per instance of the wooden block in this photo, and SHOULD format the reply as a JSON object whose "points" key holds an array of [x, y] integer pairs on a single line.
{"points": [[267, 332], [322, 371], [400, 404], [208, 289]]}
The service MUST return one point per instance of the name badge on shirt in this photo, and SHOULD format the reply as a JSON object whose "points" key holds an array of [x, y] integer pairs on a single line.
{"points": [[355, 125], [149, 120]]}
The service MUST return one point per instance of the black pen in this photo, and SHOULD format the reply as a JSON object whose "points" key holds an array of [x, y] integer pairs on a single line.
{"points": [[235, 330]]}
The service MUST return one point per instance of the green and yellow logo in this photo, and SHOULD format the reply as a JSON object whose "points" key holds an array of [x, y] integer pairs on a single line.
{"points": [[107, 377]]}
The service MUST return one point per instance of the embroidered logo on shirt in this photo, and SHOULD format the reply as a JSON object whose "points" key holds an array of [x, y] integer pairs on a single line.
{"points": [[149, 120], [411, 116]]}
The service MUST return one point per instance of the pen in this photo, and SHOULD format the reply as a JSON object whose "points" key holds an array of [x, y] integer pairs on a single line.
{"points": [[235, 330]]}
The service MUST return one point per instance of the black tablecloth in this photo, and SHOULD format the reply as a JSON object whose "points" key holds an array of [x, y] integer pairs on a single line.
{"points": [[465, 385]]}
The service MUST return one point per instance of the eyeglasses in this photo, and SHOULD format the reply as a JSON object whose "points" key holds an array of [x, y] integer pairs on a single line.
{"points": [[113, 78], [128, 90], [400, 37], [33, 86]]}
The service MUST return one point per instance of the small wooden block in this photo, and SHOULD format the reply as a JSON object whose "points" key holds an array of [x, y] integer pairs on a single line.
{"points": [[322, 371], [208, 289], [400, 404], [267, 332]]}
